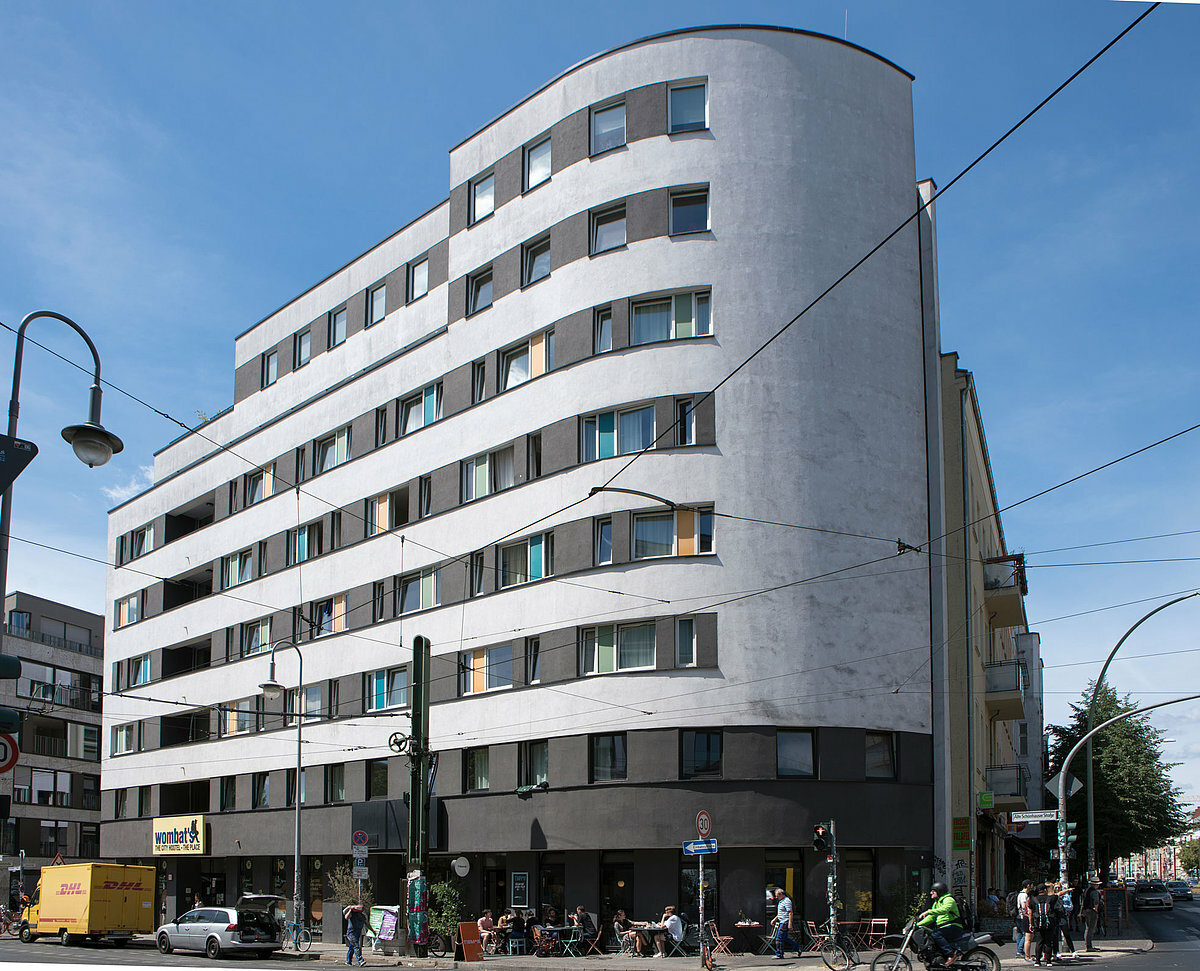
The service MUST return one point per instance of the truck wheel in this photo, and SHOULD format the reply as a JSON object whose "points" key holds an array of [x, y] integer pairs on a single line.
{"points": [[66, 937], [27, 936], [213, 948], [164, 944]]}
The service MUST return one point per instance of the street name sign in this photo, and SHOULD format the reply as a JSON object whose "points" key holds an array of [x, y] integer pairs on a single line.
{"points": [[1035, 816], [696, 847]]}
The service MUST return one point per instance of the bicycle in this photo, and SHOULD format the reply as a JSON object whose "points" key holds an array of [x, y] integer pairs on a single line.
{"points": [[298, 934], [10, 923], [706, 947], [441, 944], [837, 950]]}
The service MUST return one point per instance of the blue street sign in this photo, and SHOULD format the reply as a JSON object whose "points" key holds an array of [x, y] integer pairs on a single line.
{"points": [[696, 847]]}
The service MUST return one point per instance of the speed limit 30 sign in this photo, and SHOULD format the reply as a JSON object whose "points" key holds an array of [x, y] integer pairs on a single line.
{"points": [[9, 753], [703, 824]]}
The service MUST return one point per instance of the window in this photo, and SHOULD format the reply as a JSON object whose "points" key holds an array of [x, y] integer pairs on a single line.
{"points": [[331, 451], [881, 755], [141, 542], [483, 197], [685, 642], [536, 262], [421, 409], [419, 591], [608, 758], [301, 349], [89, 839], [139, 670], [603, 542], [270, 368], [533, 456], [258, 485], [290, 787], [533, 660], [608, 127], [477, 573], [260, 790], [795, 754], [700, 754], [530, 559], [537, 163], [418, 280], [478, 385], [337, 327], [123, 739], [424, 496], [387, 689], [654, 535], [686, 532], [301, 464], [377, 601], [228, 793], [237, 568], [617, 433], [685, 422], [485, 669], [377, 779], [608, 229], [485, 474], [376, 304], [19, 621], [607, 648], [120, 803], [688, 108], [672, 318], [533, 763], [381, 423], [602, 338], [387, 511], [548, 352], [305, 543], [335, 783], [305, 704], [476, 770], [329, 615], [479, 291], [128, 610], [689, 212], [514, 367], [238, 717]]}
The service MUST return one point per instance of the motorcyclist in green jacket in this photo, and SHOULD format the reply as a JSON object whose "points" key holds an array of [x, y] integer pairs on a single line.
{"points": [[941, 920]]}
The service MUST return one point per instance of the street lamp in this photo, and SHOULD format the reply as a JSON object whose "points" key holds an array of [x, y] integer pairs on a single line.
{"points": [[272, 690], [93, 444]]}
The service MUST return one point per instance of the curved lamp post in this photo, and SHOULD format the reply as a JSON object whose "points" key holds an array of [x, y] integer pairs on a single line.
{"points": [[94, 444], [272, 690]]}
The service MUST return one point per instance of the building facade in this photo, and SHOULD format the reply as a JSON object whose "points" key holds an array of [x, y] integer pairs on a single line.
{"points": [[54, 790], [497, 428]]}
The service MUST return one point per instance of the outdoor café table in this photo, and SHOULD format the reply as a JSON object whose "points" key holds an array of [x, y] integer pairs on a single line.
{"points": [[749, 936]]}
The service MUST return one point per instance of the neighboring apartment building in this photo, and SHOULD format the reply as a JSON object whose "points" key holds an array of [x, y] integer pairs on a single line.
{"points": [[414, 446], [55, 786], [993, 688]]}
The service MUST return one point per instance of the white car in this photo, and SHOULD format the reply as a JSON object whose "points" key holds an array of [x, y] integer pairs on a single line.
{"points": [[249, 925]]}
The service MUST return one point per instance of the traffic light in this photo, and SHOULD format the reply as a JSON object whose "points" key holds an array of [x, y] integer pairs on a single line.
{"points": [[1071, 837], [820, 841], [10, 670]]}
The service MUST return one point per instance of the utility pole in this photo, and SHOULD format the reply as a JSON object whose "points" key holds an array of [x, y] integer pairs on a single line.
{"points": [[831, 880], [418, 799]]}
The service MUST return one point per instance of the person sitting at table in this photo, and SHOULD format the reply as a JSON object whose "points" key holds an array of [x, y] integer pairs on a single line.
{"points": [[583, 920], [623, 930], [671, 925], [487, 931]]}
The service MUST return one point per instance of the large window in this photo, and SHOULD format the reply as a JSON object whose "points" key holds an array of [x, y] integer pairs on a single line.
{"points": [[128, 610], [795, 754], [258, 485], [685, 532], [304, 703], [237, 568], [479, 291], [387, 688], [617, 433], [536, 262], [331, 451], [608, 229], [139, 670], [537, 163], [609, 648], [377, 779], [476, 775], [418, 280], [328, 615], [228, 793], [881, 755], [530, 559], [142, 541], [238, 717], [124, 738], [672, 318], [654, 535], [700, 754], [290, 787], [301, 349], [337, 327], [514, 367], [305, 543], [533, 763], [485, 474], [335, 783], [483, 197], [689, 211], [602, 336], [688, 107], [608, 127], [685, 642], [608, 758], [419, 591], [376, 304], [485, 669], [421, 409]]}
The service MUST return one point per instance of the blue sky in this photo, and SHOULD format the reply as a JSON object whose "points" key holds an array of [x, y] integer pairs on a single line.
{"points": [[172, 173]]}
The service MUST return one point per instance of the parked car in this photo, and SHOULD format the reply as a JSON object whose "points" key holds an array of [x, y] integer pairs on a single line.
{"points": [[1180, 890], [249, 925], [1148, 897]]}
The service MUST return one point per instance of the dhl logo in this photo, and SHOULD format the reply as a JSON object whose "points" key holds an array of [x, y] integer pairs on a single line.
{"points": [[120, 885], [69, 888]]}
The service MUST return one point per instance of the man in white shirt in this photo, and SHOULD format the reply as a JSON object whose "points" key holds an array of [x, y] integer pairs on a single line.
{"points": [[673, 926], [1025, 943]]}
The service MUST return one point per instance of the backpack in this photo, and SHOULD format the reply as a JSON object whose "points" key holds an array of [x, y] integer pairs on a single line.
{"points": [[1010, 902], [1040, 914]]}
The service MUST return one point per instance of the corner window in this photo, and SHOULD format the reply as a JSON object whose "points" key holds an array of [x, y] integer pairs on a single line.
{"points": [[536, 262], [685, 642], [485, 669], [530, 559], [475, 770], [608, 229], [331, 451], [418, 591], [602, 336], [700, 754], [301, 349], [795, 754], [608, 127], [689, 212], [235, 569], [483, 197], [421, 409], [881, 755], [603, 542], [270, 368], [537, 163], [376, 304], [479, 291], [688, 108], [418, 280], [672, 318], [387, 689], [608, 648], [337, 327], [533, 763], [607, 754]]}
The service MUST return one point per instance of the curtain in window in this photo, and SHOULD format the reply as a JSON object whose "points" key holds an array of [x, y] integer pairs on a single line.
{"points": [[538, 769], [502, 470], [653, 536], [637, 430], [635, 647], [652, 322]]}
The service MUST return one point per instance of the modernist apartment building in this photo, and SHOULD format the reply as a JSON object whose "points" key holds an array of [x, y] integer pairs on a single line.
{"points": [[54, 790], [497, 428]]}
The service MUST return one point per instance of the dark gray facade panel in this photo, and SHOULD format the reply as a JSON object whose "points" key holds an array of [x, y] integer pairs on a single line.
{"points": [[620, 324], [284, 351], [281, 625], [454, 581], [247, 379], [506, 273], [359, 606], [456, 297], [573, 338], [362, 434], [491, 574], [443, 679], [356, 313], [653, 756], [439, 263], [459, 206], [646, 215], [319, 332], [518, 661], [354, 523], [502, 767], [221, 502], [583, 882], [569, 140], [151, 734], [706, 419], [445, 488], [915, 758], [560, 445], [706, 640], [573, 546], [456, 390], [520, 459], [843, 755], [569, 240], [664, 418], [356, 780], [153, 600], [569, 761], [664, 643], [748, 753], [350, 695], [646, 112], [509, 176], [558, 655], [397, 288]]}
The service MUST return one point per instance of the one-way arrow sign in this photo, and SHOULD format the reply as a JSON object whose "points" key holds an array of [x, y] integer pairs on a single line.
{"points": [[696, 847], [15, 454]]}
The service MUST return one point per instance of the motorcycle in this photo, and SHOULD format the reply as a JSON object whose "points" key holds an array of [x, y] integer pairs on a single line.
{"points": [[974, 955]]}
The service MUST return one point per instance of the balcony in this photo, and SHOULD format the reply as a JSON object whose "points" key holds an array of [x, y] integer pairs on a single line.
{"points": [[55, 748], [62, 695], [1006, 683], [1009, 785], [54, 641], [1004, 587]]}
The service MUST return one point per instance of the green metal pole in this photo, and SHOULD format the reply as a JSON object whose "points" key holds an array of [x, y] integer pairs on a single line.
{"points": [[418, 784]]}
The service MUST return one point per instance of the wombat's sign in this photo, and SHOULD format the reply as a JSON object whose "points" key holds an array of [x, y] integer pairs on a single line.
{"points": [[173, 835]]}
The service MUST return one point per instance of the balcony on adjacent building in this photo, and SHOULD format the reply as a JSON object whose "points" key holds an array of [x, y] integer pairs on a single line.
{"points": [[1004, 587], [1006, 682], [1009, 785]]}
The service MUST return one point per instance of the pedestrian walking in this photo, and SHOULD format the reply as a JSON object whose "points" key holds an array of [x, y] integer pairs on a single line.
{"points": [[1045, 916], [1064, 929], [783, 930], [1021, 916], [356, 921]]}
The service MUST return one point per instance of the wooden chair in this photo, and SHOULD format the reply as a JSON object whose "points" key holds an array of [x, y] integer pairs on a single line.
{"points": [[720, 944], [816, 939], [876, 931], [593, 942]]}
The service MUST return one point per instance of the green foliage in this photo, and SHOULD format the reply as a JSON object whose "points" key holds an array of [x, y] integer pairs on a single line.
{"points": [[446, 907], [1137, 807], [1189, 855], [344, 888]]}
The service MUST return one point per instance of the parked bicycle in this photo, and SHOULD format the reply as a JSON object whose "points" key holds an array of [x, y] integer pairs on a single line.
{"points": [[837, 947], [299, 936], [441, 944]]}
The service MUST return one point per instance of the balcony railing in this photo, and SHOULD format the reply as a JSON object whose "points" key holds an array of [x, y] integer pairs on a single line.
{"points": [[52, 747], [91, 800], [1004, 587], [1005, 685], [54, 641], [64, 695], [1009, 785]]}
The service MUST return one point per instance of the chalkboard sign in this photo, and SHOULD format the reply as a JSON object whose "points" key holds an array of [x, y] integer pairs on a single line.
{"points": [[1114, 907]]}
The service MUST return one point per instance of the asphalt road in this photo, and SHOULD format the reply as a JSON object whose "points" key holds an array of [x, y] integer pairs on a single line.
{"points": [[49, 951], [1176, 937]]}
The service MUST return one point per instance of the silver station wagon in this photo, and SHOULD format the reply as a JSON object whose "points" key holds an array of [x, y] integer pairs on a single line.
{"points": [[249, 925]]}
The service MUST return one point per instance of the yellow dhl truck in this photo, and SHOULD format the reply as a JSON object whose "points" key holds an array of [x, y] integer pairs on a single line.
{"points": [[92, 900]]}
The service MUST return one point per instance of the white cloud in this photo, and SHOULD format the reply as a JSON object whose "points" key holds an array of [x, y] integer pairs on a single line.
{"points": [[141, 481]]}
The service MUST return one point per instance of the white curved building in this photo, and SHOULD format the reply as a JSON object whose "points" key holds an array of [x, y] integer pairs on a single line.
{"points": [[414, 446]]}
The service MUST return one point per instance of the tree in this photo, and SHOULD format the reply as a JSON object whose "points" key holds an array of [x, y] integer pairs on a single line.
{"points": [[1137, 807], [1189, 855], [344, 888]]}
